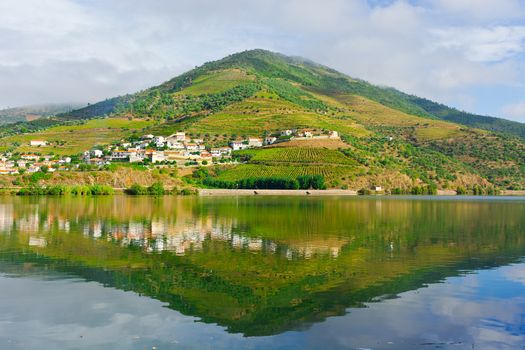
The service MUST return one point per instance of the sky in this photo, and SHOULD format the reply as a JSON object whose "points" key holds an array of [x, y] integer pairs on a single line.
{"points": [[469, 54]]}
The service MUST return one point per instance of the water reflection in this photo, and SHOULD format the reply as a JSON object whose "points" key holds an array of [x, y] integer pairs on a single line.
{"points": [[267, 266]]}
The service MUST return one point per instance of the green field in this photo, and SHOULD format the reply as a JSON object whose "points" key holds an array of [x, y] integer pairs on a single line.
{"points": [[284, 171], [291, 163], [299, 155]]}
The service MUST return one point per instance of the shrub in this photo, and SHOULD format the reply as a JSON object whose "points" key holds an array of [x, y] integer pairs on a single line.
{"points": [[101, 190], [156, 189], [80, 190], [136, 190], [311, 182]]}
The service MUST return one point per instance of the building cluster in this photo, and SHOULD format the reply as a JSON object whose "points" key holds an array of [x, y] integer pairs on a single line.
{"points": [[31, 163], [177, 148]]}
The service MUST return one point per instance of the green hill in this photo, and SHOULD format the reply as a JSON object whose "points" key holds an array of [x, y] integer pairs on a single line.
{"points": [[28, 113], [393, 139]]}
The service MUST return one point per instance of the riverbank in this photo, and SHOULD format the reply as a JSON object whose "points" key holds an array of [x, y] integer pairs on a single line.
{"points": [[228, 192], [333, 192]]}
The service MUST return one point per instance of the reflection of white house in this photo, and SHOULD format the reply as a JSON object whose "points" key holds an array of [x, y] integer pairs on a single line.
{"points": [[37, 143]]}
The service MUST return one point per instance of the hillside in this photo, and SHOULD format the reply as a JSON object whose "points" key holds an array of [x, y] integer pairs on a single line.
{"points": [[390, 139], [29, 113]]}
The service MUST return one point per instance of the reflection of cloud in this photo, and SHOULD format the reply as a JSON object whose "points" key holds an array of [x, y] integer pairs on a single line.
{"points": [[515, 273], [457, 314]]}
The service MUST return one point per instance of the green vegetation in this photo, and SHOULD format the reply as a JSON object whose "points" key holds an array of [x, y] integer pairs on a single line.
{"points": [[258, 93], [61, 190], [296, 155], [255, 183], [156, 189]]}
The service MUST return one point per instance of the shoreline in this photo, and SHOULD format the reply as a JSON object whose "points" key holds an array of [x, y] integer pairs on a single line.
{"points": [[209, 192], [213, 192]]}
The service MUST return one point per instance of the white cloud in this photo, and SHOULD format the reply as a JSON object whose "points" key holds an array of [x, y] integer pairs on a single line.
{"points": [[480, 10], [515, 111], [436, 48], [482, 44]]}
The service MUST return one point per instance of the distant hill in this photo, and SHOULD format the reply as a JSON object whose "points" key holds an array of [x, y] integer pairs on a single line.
{"points": [[393, 139], [29, 113]]}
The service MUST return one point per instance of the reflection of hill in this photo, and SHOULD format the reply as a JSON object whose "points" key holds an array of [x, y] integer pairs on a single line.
{"points": [[261, 266]]}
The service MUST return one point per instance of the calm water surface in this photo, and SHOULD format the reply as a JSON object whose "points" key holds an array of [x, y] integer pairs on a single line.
{"points": [[262, 273]]}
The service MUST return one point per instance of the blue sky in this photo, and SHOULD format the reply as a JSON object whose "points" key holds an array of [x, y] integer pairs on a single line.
{"points": [[465, 53]]}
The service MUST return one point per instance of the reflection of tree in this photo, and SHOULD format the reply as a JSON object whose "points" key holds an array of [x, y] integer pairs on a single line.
{"points": [[257, 286]]}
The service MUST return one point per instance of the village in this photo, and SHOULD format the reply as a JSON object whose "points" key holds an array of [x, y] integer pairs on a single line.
{"points": [[178, 149]]}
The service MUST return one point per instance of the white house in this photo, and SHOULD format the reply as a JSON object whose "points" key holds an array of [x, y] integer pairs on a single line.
{"points": [[135, 157], [268, 140], [254, 142], [220, 152], [238, 145], [286, 132], [148, 137], [97, 153], [158, 156], [178, 136], [193, 147], [37, 143], [159, 141], [30, 157], [120, 155], [333, 135], [174, 144]]}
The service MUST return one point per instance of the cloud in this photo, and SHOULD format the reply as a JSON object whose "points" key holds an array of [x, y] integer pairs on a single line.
{"points": [[515, 111], [480, 10], [441, 49], [482, 44]]}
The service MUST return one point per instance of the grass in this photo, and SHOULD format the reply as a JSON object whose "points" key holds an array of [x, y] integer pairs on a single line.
{"points": [[74, 139]]}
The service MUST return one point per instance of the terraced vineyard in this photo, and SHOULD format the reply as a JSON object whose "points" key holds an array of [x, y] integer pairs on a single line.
{"points": [[301, 155], [283, 171]]}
